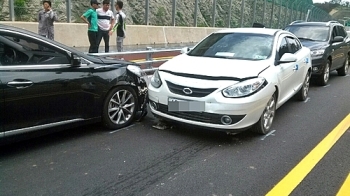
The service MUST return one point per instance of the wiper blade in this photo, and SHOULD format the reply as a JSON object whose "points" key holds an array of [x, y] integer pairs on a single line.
{"points": [[305, 38]]}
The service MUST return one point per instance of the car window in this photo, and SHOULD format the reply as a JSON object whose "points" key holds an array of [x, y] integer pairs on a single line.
{"points": [[315, 33], [247, 46], [294, 46], [22, 50], [334, 33], [341, 31], [283, 48]]}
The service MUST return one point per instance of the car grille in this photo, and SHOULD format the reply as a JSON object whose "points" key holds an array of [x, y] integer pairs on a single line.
{"points": [[196, 92], [199, 116]]}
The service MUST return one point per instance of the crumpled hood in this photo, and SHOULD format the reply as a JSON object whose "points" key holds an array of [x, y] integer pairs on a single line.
{"points": [[214, 67]]}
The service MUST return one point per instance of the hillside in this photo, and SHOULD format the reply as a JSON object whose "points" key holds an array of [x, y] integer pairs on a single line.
{"points": [[160, 12]]}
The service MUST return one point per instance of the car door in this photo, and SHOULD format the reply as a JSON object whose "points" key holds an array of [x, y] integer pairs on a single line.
{"points": [[336, 49], [299, 69], [2, 120], [41, 89], [286, 71], [344, 48]]}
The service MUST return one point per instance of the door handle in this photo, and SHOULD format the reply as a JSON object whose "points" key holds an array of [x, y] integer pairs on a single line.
{"points": [[20, 84], [296, 67]]}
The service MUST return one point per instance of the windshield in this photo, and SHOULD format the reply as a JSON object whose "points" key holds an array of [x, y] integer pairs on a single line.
{"points": [[247, 46], [312, 33]]}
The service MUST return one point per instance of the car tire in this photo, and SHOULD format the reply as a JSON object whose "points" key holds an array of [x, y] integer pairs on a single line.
{"points": [[343, 71], [263, 126], [304, 90], [322, 80], [120, 107]]}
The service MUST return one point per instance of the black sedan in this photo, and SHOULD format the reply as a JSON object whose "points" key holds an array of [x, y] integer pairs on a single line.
{"points": [[44, 84]]}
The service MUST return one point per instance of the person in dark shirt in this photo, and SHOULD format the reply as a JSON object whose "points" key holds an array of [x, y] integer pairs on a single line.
{"points": [[119, 25]]}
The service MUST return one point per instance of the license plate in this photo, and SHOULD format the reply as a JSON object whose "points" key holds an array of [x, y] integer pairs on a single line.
{"points": [[177, 105]]}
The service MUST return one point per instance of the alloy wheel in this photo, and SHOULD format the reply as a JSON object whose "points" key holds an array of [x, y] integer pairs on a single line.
{"points": [[306, 85], [326, 73], [121, 107], [269, 113]]}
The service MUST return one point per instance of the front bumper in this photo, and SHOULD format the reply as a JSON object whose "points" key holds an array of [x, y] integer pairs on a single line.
{"points": [[318, 65], [243, 112]]}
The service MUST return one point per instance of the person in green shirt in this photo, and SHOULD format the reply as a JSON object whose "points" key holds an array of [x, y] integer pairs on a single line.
{"points": [[90, 17]]}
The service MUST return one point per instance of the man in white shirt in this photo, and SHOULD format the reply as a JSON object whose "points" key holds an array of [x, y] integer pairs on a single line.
{"points": [[105, 24], [119, 25]]}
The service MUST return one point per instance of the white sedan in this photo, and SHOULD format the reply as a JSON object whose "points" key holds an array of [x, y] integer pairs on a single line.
{"points": [[232, 80]]}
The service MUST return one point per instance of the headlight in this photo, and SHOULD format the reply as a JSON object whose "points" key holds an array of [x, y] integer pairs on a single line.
{"points": [[316, 53], [244, 88], [136, 70], [155, 80]]}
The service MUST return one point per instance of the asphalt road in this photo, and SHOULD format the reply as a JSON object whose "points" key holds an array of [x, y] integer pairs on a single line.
{"points": [[142, 160]]}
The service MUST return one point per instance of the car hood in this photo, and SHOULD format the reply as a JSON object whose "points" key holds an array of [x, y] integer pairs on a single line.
{"points": [[214, 67], [109, 61], [314, 45]]}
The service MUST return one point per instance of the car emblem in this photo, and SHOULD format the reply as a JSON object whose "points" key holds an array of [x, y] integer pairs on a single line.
{"points": [[187, 91]]}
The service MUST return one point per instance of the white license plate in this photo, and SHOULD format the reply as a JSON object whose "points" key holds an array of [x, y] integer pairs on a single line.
{"points": [[177, 105]]}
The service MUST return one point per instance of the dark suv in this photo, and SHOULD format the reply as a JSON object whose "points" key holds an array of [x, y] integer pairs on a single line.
{"points": [[329, 45]]}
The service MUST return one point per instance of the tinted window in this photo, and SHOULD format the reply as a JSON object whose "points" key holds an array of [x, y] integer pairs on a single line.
{"points": [[294, 46], [21, 50], [341, 31], [317, 33], [283, 48], [235, 46]]}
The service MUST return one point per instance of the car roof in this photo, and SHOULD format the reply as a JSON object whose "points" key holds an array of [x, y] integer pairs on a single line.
{"points": [[266, 31], [326, 24]]}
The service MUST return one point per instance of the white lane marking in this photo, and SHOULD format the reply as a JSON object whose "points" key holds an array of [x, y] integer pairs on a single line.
{"points": [[122, 129], [307, 100], [326, 86], [271, 133]]}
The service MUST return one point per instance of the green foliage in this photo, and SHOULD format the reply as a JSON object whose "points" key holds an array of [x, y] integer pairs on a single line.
{"points": [[160, 16], [20, 8]]}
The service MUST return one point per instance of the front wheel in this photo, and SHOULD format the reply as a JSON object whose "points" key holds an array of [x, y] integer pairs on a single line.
{"points": [[119, 108], [264, 124], [324, 77], [343, 71], [304, 91]]}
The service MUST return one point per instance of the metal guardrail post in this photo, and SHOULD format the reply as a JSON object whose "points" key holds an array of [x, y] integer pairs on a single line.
{"points": [[263, 18], [195, 13], [229, 14], [213, 14], [12, 9], [149, 57], [146, 12], [173, 23], [69, 10], [279, 15], [242, 13], [254, 12], [112, 7], [272, 14]]}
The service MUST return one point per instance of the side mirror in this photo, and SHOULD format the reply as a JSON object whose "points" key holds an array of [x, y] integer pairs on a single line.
{"points": [[185, 50], [75, 60], [338, 39], [288, 58]]}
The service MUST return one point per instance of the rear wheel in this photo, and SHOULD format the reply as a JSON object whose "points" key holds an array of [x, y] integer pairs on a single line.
{"points": [[324, 77], [343, 71], [263, 126], [304, 91], [120, 107]]}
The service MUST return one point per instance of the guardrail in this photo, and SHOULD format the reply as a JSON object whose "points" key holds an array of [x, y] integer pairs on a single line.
{"points": [[149, 60]]}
